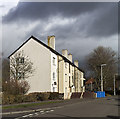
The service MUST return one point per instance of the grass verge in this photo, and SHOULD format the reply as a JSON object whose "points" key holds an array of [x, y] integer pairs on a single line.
{"points": [[29, 105]]}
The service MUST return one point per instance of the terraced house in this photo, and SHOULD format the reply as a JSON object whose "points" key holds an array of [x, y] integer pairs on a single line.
{"points": [[54, 72]]}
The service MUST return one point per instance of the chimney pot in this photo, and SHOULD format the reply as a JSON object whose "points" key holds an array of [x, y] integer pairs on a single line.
{"points": [[65, 53], [70, 57], [51, 41], [76, 62]]}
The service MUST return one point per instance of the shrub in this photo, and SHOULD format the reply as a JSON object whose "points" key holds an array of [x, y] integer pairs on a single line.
{"points": [[29, 98], [32, 97], [44, 96], [54, 96], [40, 96], [19, 98], [16, 87], [8, 99]]}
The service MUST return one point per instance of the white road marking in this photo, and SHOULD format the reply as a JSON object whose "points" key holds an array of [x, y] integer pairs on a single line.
{"points": [[30, 114], [41, 111], [25, 116], [36, 113], [51, 110], [47, 111]]}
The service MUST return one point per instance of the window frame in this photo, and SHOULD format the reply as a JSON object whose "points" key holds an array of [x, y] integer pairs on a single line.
{"points": [[54, 60], [54, 76], [20, 60]]}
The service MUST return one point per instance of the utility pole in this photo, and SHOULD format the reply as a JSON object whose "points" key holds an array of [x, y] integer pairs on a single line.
{"points": [[114, 85], [91, 85], [102, 77]]}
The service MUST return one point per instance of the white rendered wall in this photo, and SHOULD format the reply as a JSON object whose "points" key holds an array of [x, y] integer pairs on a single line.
{"points": [[40, 56]]}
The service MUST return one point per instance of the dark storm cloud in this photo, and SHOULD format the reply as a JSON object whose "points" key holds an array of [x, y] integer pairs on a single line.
{"points": [[92, 23], [103, 24], [35, 11]]}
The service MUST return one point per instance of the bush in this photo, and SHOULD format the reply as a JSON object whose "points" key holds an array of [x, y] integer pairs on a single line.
{"points": [[16, 87], [54, 96], [40, 96], [32, 97], [8, 99], [109, 92], [45, 96]]}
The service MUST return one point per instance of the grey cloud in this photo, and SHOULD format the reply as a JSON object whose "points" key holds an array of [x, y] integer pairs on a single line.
{"points": [[35, 11], [99, 20], [103, 24], [2, 6]]}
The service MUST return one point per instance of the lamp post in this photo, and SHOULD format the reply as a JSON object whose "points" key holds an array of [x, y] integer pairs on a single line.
{"points": [[114, 84], [102, 77], [91, 85]]}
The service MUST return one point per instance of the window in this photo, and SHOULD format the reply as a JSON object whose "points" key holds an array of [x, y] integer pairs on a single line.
{"points": [[65, 77], [84, 82], [53, 89], [53, 75], [20, 75], [20, 60], [53, 60], [69, 68], [72, 77], [65, 64], [69, 81], [65, 90], [55, 83]]}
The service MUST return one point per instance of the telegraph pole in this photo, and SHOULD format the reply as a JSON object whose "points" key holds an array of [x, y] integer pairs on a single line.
{"points": [[102, 77]]}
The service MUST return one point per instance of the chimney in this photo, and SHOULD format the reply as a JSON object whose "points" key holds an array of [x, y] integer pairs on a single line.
{"points": [[65, 53], [76, 63], [51, 42], [70, 57]]}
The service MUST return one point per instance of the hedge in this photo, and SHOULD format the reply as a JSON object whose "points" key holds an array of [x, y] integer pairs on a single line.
{"points": [[32, 97]]}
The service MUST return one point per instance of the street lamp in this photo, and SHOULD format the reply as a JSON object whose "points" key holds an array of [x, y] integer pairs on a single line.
{"points": [[114, 84], [91, 85], [102, 77]]}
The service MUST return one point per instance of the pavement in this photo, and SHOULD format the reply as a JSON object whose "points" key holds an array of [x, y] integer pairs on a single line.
{"points": [[103, 107]]}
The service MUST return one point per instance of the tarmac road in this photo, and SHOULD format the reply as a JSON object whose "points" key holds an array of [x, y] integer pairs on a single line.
{"points": [[104, 107]]}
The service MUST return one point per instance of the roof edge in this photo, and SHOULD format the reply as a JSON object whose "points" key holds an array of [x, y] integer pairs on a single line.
{"points": [[21, 45], [52, 50]]}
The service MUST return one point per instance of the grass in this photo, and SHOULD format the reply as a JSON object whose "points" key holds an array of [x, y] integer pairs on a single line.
{"points": [[29, 105]]}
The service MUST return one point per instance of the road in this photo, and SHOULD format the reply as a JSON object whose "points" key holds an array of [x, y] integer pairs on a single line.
{"points": [[105, 107]]}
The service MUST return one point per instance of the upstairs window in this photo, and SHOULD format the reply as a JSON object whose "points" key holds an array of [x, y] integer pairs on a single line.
{"points": [[72, 77], [69, 68], [69, 81], [65, 64], [20, 60], [20, 75], [65, 77], [53, 60], [53, 75]]}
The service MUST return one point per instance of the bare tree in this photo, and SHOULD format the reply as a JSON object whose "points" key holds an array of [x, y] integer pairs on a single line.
{"points": [[15, 87], [102, 55], [20, 66], [20, 69]]}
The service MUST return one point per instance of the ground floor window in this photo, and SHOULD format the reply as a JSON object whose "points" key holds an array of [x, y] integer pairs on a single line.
{"points": [[54, 89]]}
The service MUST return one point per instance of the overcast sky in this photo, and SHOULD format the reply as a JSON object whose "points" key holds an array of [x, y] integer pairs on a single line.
{"points": [[79, 27]]}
